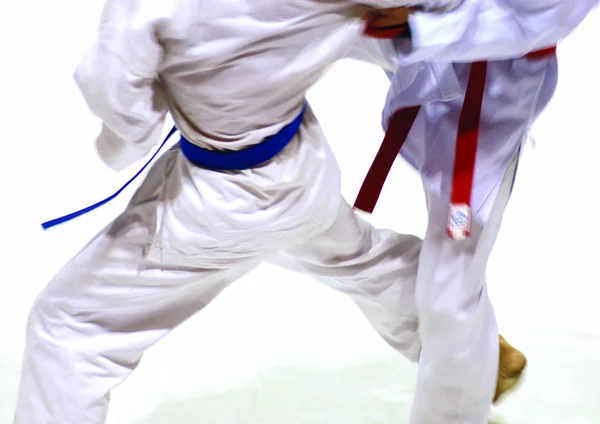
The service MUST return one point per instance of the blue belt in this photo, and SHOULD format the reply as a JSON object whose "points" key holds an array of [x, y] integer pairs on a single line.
{"points": [[204, 158]]}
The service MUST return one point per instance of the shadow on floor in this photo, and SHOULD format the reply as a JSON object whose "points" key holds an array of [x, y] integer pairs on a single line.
{"points": [[358, 394]]}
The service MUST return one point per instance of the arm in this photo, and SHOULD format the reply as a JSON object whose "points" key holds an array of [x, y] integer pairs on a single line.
{"points": [[377, 45], [118, 79], [491, 29], [382, 53]]}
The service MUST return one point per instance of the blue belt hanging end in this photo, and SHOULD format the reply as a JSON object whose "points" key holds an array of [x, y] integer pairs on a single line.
{"points": [[62, 219], [210, 159]]}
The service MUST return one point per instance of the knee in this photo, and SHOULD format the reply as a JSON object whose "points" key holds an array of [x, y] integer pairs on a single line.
{"points": [[456, 332], [436, 321], [452, 320]]}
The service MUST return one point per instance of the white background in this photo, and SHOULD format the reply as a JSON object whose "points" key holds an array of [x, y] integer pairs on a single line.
{"points": [[277, 347]]}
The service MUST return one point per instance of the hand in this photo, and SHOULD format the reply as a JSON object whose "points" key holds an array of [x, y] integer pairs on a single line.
{"points": [[388, 18], [387, 23]]}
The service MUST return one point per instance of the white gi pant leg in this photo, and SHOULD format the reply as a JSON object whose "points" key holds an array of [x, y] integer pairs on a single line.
{"points": [[187, 234], [458, 366], [377, 268], [88, 329]]}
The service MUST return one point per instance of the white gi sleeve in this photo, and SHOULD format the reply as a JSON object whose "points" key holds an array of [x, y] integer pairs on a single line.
{"points": [[382, 53], [118, 79], [491, 29]]}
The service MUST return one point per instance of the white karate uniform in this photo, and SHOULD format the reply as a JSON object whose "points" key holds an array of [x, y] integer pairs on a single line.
{"points": [[458, 363], [230, 74]]}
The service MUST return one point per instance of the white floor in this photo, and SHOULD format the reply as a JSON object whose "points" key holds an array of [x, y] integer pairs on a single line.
{"points": [[278, 347]]}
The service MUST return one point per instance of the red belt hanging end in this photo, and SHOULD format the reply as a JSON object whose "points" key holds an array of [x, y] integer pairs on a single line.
{"points": [[542, 54], [460, 212], [395, 136]]}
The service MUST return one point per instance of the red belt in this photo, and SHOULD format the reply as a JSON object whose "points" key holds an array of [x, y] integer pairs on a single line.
{"points": [[459, 215]]}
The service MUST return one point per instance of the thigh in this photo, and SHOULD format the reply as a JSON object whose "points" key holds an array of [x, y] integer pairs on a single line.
{"points": [[351, 255], [114, 285]]}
